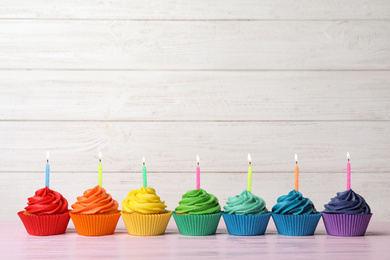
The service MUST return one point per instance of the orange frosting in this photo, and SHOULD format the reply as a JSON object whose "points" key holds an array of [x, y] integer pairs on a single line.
{"points": [[95, 201]]}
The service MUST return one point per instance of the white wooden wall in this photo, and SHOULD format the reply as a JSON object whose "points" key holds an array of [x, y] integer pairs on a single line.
{"points": [[169, 79]]}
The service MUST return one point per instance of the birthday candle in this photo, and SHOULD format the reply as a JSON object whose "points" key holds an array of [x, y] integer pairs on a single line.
{"points": [[249, 188], [296, 173], [47, 169], [144, 172], [348, 173], [100, 170], [197, 173]]}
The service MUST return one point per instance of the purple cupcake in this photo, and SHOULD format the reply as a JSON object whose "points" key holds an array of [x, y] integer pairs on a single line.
{"points": [[347, 214]]}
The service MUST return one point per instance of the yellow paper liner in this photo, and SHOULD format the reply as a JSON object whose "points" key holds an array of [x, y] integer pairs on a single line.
{"points": [[95, 224], [146, 224]]}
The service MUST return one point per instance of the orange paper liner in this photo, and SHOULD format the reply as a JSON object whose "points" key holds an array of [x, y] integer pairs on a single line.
{"points": [[95, 225], [45, 225], [146, 224]]}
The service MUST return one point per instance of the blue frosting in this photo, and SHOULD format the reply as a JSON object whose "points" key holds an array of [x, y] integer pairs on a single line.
{"points": [[294, 203], [347, 202]]}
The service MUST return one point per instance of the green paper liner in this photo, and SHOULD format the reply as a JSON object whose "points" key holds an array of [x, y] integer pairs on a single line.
{"points": [[95, 224], [45, 225], [146, 224], [197, 225]]}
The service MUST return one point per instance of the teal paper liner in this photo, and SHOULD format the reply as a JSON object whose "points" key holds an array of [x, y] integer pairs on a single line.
{"points": [[296, 225], [246, 225], [197, 225], [346, 224]]}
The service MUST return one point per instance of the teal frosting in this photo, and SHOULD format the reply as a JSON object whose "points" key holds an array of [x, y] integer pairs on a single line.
{"points": [[294, 203], [245, 204]]}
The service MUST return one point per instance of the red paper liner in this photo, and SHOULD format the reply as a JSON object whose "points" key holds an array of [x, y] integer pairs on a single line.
{"points": [[95, 224], [45, 225], [146, 224]]}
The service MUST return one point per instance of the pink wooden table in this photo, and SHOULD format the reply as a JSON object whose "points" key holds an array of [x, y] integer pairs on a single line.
{"points": [[17, 244]]}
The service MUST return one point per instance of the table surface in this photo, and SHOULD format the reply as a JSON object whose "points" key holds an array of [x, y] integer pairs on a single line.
{"points": [[15, 243]]}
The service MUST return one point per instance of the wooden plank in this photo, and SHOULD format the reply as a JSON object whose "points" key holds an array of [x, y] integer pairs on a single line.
{"points": [[318, 187], [171, 147], [195, 45], [129, 95], [201, 9]]}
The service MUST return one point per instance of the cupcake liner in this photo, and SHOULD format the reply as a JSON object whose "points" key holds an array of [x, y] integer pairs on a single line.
{"points": [[296, 225], [95, 225], [45, 225], [246, 225], [146, 224], [345, 224], [197, 225]]}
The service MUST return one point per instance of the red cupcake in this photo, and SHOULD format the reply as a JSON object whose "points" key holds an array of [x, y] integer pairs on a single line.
{"points": [[46, 214]]}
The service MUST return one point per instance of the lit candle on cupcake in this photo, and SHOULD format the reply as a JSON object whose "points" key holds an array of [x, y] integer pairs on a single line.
{"points": [[246, 214]]}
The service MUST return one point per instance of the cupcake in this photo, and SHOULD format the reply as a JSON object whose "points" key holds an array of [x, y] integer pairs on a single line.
{"points": [[46, 214], [198, 213], [246, 215], [95, 213], [144, 213], [295, 215], [347, 214]]}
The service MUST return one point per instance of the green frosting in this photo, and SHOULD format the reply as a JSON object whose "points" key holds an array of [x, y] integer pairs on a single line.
{"points": [[197, 202], [245, 204]]}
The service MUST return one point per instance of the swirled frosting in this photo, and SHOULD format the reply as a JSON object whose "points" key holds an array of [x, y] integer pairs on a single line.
{"points": [[95, 201], [143, 200], [347, 202], [245, 204], [295, 204], [196, 202], [46, 202]]}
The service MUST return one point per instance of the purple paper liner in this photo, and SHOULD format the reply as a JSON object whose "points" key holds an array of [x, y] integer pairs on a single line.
{"points": [[296, 225], [346, 224], [246, 225]]}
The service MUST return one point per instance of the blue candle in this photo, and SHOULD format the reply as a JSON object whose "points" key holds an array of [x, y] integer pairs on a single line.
{"points": [[47, 170]]}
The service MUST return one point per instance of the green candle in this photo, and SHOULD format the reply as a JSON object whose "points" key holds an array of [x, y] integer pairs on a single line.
{"points": [[144, 172], [249, 173], [100, 170]]}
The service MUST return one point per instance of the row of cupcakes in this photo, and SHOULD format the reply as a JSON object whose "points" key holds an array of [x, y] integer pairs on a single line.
{"points": [[95, 213]]}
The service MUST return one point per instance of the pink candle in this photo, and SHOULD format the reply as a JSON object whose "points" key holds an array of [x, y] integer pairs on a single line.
{"points": [[197, 173], [348, 173]]}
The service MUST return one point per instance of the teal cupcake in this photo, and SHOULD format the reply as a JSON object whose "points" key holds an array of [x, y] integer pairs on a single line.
{"points": [[198, 213], [295, 215], [246, 215]]}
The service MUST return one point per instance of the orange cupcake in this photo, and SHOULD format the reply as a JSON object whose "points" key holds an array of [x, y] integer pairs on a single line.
{"points": [[95, 213]]}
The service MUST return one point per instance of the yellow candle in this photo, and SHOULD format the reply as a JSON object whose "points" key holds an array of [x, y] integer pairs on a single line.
{"points": [[249, 173], [100, 170]]}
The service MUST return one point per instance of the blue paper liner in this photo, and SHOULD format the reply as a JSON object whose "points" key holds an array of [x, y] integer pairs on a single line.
{"points": [[197, 225], [296, 225], [246, 225], [346, 224]]}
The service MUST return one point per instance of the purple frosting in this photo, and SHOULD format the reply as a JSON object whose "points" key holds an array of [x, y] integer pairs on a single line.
{"points": [[347, 202]]}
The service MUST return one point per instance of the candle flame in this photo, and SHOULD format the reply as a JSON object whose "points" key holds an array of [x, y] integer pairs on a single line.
{"points": [[249, 158], [197, 158], [348, 155], [100, 155], [47, 156], [296, 158], [143, 160]]}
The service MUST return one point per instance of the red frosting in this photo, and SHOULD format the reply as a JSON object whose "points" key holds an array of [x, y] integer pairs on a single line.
{"points": [[47, 202]]}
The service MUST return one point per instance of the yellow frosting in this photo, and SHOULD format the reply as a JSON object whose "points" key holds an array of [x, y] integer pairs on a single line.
{"points": [[143, 200]]}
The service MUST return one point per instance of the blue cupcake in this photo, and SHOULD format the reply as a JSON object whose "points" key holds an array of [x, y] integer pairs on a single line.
{"points": [[246, 215], [347, 214], [295, 215]]}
